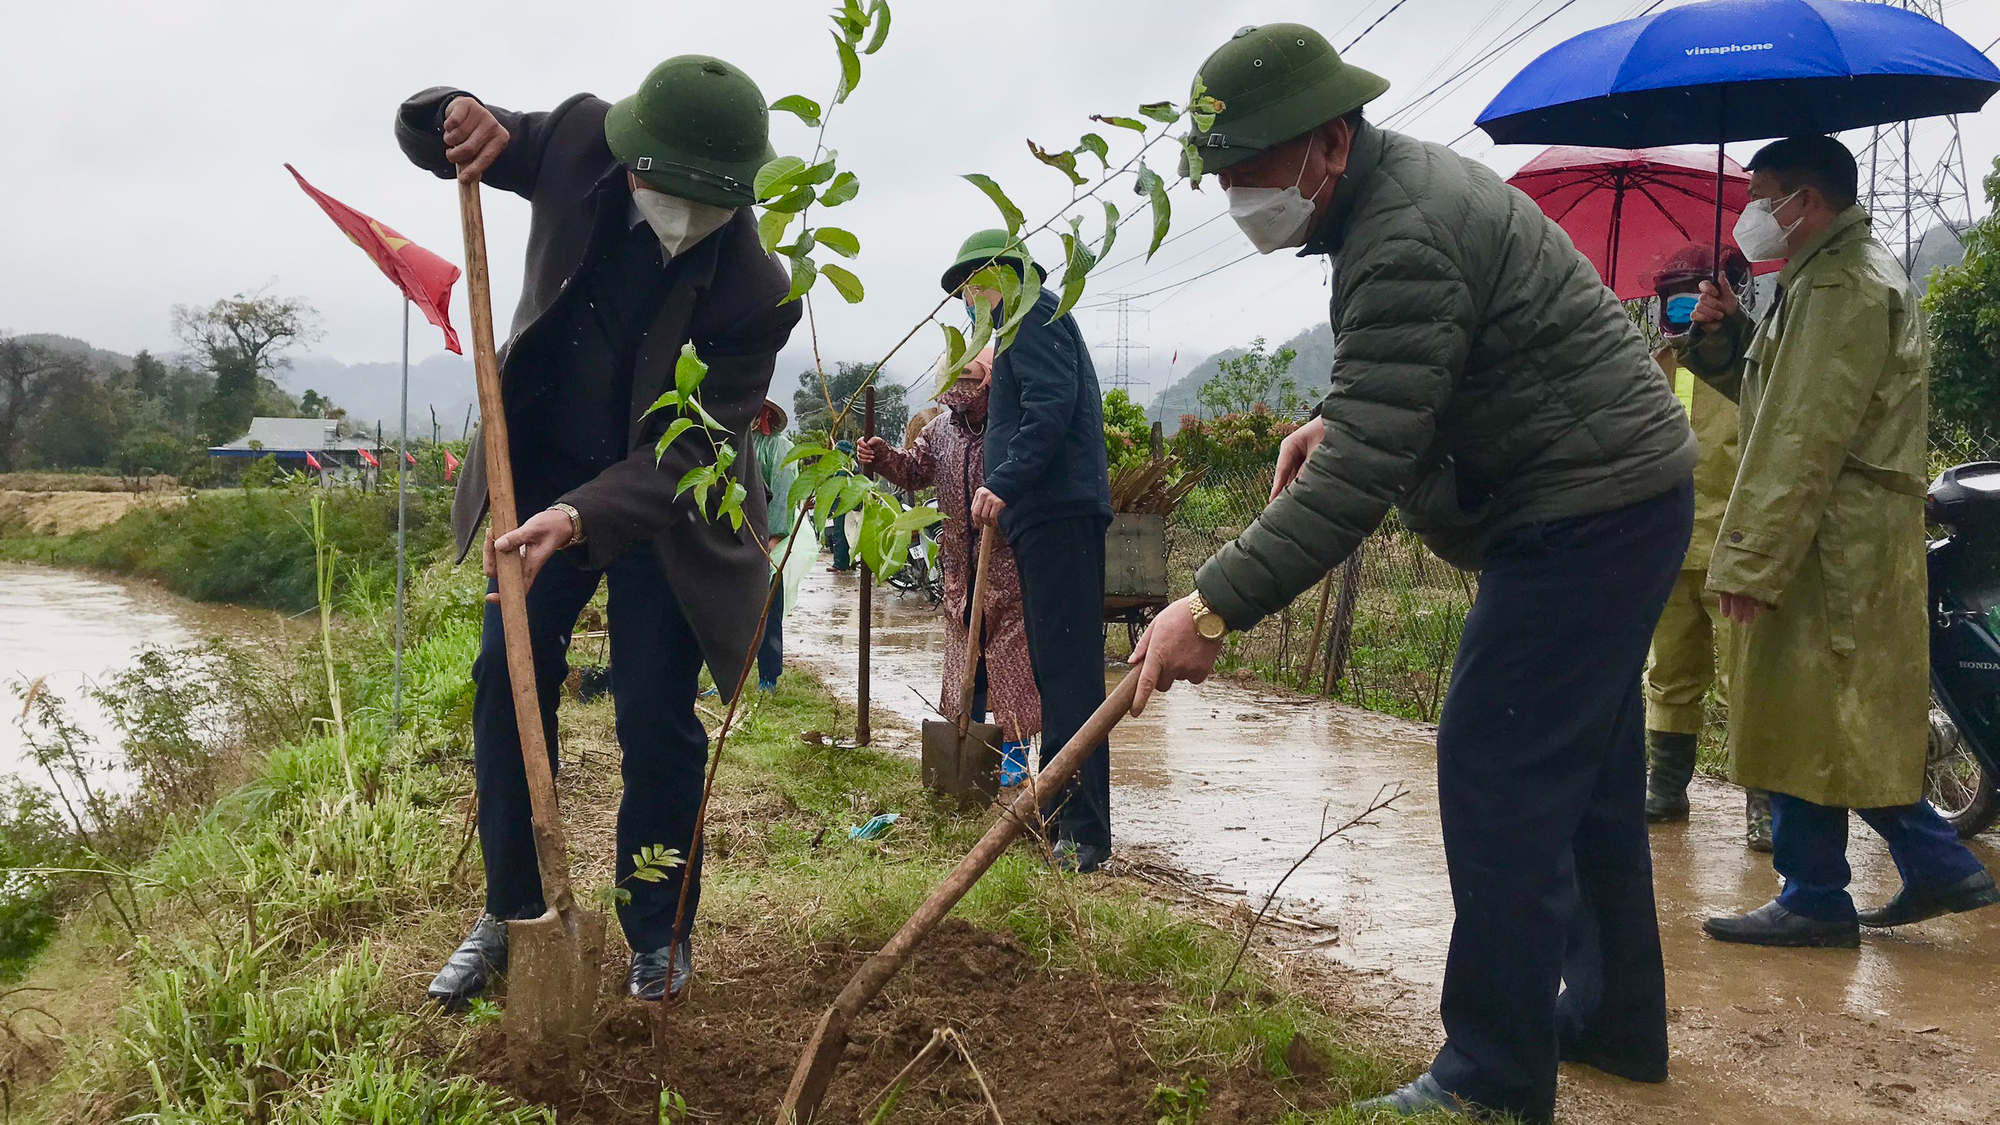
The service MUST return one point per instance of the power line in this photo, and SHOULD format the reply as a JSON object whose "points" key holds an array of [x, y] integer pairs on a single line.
{"points": [[1121, 372], [1393, 8], [1477, 66]]}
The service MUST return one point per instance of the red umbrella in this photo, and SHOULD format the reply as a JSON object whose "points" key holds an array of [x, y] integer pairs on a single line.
{"points": [[1629, 210]]}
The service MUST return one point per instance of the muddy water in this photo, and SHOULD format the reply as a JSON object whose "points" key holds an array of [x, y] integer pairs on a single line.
{"points": [[1233, 779], [75, 630]]}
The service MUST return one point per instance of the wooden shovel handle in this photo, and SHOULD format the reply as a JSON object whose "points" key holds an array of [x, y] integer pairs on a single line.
{"points": [[551, 850], [972, 645], [823, 1050]]}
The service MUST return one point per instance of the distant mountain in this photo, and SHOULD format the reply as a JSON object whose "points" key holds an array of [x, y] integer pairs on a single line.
{"points": [[1311, 370], [371, 392], [97, 357]]}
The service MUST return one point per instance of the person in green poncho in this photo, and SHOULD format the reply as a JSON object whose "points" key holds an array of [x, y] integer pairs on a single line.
{"points": [[768, 441], [1819, 559]]}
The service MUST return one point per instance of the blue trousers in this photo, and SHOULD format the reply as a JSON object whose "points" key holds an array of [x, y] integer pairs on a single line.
{"points": [[1809, 848], [1541, 795], [664, 745]]}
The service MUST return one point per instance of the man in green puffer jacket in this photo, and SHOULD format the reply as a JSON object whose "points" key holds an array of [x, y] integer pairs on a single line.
{"points": [[1487, 384]]}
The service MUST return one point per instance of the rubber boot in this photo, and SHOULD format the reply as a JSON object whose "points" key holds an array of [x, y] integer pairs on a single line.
{"points": [[1669, 768], [1757, 820], [1013, 763]]}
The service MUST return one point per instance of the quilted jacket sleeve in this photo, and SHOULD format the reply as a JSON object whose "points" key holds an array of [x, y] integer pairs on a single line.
{"points": [[1404, 327]]}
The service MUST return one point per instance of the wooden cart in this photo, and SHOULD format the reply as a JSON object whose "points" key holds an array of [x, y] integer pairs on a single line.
{"points": [[1135, 571]]}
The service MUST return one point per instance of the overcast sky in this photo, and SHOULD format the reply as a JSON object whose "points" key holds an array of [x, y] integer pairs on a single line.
{"points": [[144, 144]]}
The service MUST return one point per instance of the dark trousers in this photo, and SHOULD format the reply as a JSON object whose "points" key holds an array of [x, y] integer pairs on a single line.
{"points": [[1809, 848], [1541, 793], [664, 745], [771, 651], [1062, 601], [836, 537]]}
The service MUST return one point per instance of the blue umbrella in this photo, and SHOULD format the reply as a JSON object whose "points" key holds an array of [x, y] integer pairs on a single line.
{"points": [[1739, 70]]}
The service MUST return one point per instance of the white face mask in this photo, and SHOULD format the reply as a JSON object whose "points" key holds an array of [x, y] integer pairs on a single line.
{"points": [[1759, 234], [680, 223], [1274, 218]]}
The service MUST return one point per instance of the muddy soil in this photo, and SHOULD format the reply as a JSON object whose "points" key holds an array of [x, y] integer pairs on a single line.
{"points": [[1231, 779], [1039, 1041]]}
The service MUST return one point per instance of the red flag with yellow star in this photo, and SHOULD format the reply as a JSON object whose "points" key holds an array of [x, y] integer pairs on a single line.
{"points": [[424, 277]]}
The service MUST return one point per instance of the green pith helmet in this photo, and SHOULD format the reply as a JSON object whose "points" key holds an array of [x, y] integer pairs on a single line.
{"points": [[1276, 82], [698, 128], [983, 248]]}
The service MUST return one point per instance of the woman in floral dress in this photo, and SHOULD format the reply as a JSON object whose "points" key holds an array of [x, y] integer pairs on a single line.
{"points": [[946, 456]]}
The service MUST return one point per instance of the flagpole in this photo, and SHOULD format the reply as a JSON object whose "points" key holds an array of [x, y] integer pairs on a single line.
{"points": [[402, 524]]}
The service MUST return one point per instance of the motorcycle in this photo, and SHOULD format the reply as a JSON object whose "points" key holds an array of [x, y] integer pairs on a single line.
{"points": [[1962, 777], [921, 574]]}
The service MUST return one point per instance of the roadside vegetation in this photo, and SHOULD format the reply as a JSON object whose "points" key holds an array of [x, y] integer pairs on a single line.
{"points": [[248, 935]]}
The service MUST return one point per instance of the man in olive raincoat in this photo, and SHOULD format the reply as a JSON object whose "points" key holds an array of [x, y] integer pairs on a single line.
{"points": [[1820, 556]]}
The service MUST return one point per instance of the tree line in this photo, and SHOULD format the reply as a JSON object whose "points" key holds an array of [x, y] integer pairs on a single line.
{"points": [[64, 406]]}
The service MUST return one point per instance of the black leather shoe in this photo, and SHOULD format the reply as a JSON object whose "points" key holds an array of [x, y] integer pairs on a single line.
{"points": [[1618, 1066], [473, 965], [1079, 859], [1771, 924], [649, 979], [1420, 1097], [1913, 905]]}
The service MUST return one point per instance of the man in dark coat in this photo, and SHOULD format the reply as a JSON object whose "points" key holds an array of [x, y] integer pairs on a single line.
{"points": [[1047, 489], [641, 242]]}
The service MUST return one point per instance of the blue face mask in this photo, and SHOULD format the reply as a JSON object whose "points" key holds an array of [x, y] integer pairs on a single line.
{"points": [[1680, 307]]}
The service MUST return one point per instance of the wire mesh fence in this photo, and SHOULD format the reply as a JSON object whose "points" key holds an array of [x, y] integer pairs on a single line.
{"points": [[1381, 630]]}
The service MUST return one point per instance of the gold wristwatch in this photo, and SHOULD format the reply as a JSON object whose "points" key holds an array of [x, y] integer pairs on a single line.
{"points": [[575, 522], [1207, 623]]}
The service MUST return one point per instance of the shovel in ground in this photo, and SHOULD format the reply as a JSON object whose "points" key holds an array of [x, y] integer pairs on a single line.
{"points": [[552, 960], [816, 1064], [962, 758]]}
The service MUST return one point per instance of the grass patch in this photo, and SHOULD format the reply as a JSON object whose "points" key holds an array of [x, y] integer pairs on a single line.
{"points": [[283, 932]]}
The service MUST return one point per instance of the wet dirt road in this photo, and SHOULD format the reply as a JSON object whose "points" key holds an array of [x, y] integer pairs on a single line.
{"points": [[1231, 779]]}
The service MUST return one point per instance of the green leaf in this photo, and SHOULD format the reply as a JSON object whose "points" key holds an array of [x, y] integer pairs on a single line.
{"points": [[1064, 162], [804, 107], [917, 518], [793, 201], [771, 228], [670, 398], [854, 491], [803, 245], [1078, 261], [680, 426], [1121, 122], [732, 504], [843, 188], [844, 283], [1008, 211], [708, 420], [879, 11], [693, 478], [809, 482], [648, 874], [837, 240], [1204, 121], [1195, 164], [776, 175], [850, 69], [1161, 111], [826, 501], [1155, 188], [1110, 230], [821, 172], [1097, 146], [804, 450], [689, 371], [804, 273], [875, 520]]}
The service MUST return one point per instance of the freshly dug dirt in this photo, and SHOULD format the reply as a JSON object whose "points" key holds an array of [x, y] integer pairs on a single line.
{"points": [[65, 513], [1043, 1043]]}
